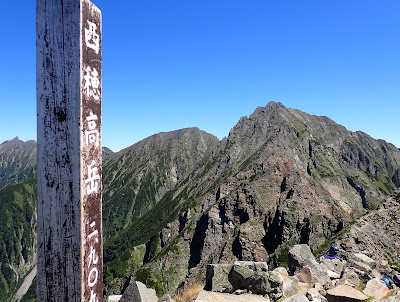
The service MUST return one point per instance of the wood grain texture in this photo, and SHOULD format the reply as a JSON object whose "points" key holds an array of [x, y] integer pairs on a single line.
{"points": [[59, 80]]}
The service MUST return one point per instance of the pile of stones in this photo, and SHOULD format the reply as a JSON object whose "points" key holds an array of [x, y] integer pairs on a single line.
{"points": [[358, 278]]}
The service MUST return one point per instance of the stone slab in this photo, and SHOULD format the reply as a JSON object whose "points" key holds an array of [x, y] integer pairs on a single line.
{"points": [[345, 293], [376, 288], [206, 296]]}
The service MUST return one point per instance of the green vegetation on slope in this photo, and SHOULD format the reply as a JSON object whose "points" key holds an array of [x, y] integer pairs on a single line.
{"points": [[17, 233]]}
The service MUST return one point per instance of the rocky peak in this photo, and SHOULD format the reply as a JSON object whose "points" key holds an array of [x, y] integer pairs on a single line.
{"points": [[138, 177], [281, 177], [17, 161]]}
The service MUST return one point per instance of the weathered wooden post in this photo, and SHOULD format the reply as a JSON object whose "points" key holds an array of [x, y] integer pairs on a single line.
{"points": [[69, 151]]}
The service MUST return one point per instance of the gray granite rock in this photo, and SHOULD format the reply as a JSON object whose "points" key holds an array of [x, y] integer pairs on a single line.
{"points": [[217, 278], [138, 292], [299, 297], [300, 256], [345, 293]]}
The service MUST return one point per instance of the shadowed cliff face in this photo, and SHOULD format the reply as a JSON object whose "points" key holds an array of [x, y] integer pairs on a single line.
{"points": [[281, 177]]}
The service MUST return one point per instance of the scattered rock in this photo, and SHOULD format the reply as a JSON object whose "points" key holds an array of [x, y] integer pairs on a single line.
{"points": [[345, 293], [314, 296], [394, 298], [276, 283], [114, 298], [303, 288], [206, 296], [335, 265], [333, 275], [361, 266], [350, 277], [358, 257], [383, 267], [288, 286], [338, 284], [244, 275], [299, 297], [138, 292], [376, 288], [319, 287], [376, 274], [241, 291]]}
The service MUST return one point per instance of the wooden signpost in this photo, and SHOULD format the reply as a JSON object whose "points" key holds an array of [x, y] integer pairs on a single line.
{"points": [[69, 174]]}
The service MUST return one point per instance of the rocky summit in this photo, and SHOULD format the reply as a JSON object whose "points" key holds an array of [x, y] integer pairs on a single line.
{"points": [[17, 161], [178, 201], [281, 177]]}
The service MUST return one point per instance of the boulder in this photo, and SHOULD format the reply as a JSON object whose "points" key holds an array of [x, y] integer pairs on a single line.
{"points": [[383, 267], [303, 288], [299, 297], [288, 285], [138, 292], [345, 293], [258, 283], [276, 283], [217, 278], [335, 265], [282, 271], [376, 288], [255, 277], [314, 296], [306, 275], [114, 298], [358, 257], [333, 275], [376, 274], [254, 266], [300, 256], [241, 271], [361, 266], [206, 296], [350, 277]]}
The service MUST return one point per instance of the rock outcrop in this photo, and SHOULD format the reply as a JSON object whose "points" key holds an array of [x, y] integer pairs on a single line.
{"points": [[138, 292], [306, 280], [244, 276], [281, 177]]}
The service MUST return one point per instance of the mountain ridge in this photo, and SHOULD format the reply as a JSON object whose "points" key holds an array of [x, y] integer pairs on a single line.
{"points": [[178, 200], [252, 188]]}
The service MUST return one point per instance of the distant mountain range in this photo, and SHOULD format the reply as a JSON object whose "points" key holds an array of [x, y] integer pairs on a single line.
{"points": [[17, 161], [179, 200]]}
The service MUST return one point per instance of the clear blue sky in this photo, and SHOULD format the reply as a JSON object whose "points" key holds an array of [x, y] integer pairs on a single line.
{"points": [[174, 64]]}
